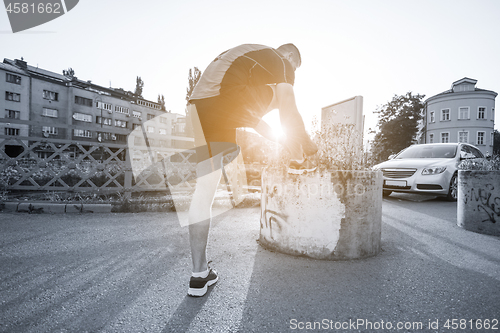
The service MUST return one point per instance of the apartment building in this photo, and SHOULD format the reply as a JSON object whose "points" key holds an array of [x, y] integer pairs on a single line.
{"points": [[45, 104], [14, 105], [462, 114]]}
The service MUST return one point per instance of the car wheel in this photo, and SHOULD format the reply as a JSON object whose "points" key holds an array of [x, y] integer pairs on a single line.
{"points": [[386, 193], [453, 191]]}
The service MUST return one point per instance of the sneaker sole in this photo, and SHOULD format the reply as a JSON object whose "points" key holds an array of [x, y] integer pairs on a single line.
{"points": [[198, 292]]}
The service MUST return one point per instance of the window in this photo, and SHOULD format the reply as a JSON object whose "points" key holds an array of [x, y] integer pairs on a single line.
{"points": [[121, 109], [134, 126], [10, 96], [463, 136], [82, 133], [103, 136], [163, 131], [11, 114], [151, 129], [120, 123], [431, 138], [463, 112], [470, 152], [164, 120], [492, 114], [481, 112], [476, 152], [149, 104], [150, 116], [49, 112], [104, 106], [136, 114], [83, 101], [480, 138], [103, 120], [445, 137], [11, 131], [49, 130], [50, 95], [445, 115], [82, 117], [110, 136], [13, 78], [432, 117], [492, 140]]}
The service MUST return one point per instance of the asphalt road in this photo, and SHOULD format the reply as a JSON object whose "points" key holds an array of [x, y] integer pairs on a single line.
{"points": [[129, 273]]}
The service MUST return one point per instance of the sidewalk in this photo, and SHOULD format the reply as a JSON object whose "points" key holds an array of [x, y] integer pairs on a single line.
{"points": [[129, 273]]}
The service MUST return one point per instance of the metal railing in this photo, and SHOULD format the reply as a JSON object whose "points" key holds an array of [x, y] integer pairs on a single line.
{"points": [[45, 164]]}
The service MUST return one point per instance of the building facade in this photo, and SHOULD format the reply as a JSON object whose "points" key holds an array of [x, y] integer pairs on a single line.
{"points": [[14, 104], [43, 104], [462, 114]]}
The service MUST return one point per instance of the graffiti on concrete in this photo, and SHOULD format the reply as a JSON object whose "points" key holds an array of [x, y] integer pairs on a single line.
{"points": [[486, 202], [289, 201], [271, 216]]}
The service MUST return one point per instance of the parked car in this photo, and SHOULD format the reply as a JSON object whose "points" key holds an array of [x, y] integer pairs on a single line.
{"points": [[426, 168]]}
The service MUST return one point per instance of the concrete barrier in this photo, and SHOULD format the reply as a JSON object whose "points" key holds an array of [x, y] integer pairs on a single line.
{"points": [[332, 215], [478, 204], [10, 206]]}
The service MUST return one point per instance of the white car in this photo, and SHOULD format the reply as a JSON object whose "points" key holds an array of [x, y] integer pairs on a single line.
{"points": [[426, 168]]}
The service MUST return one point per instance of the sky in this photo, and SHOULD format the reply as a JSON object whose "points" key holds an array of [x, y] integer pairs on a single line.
{"points": [[374, 48]]}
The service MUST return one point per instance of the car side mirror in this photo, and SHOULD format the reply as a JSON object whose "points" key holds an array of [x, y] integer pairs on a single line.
{"points": [[392, 156]]}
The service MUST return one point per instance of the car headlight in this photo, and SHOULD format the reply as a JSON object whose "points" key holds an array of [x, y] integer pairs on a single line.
{"points": [[433, 171]]}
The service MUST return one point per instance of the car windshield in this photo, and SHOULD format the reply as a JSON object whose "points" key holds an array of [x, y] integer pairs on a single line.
{"points": [[428, 151]]}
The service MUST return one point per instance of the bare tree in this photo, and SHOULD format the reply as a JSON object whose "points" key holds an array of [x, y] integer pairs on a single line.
{"points": [[193, 78], [139, 85]]}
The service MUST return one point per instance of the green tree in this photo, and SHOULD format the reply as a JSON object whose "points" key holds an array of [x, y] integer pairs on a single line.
{"points": [[139, 86], [397, 125], [496, 143]]}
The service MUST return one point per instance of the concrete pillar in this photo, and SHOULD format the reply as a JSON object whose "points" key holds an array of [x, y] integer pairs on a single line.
{"points": [[478, 204], [332, 215]]}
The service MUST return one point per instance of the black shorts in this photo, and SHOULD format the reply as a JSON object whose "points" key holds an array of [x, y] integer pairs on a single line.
{"points": [[212, 149], [220, 116]]}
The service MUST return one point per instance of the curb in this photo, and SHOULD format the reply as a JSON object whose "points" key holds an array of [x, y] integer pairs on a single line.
{"points": [[222, 201], [54, 208]]}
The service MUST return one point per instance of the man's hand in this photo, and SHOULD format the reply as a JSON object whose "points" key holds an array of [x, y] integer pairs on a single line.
{"points": [[309, 147]]}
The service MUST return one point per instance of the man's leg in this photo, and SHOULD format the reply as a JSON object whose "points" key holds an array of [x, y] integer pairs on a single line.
{"points": [[200, 211]]}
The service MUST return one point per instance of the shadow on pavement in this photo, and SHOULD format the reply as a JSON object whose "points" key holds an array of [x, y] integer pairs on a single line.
{"points": [[406, 283], [414, 197], [432, 206], [186, 312]]}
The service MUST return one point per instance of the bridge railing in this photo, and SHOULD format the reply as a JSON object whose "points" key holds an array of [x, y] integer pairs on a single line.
{"points": [[46, 164]]}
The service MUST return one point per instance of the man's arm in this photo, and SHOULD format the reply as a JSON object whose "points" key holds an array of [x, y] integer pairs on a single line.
{"points": [[291, 120], [266, 131]]}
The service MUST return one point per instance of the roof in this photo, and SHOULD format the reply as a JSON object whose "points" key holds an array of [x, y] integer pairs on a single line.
{"points": [[45, 72], [35, 70], [9, 67], [13, 65], [463, 80]]}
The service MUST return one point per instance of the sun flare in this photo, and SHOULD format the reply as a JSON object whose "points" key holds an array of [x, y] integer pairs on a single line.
{"points": [[273, 120]]}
